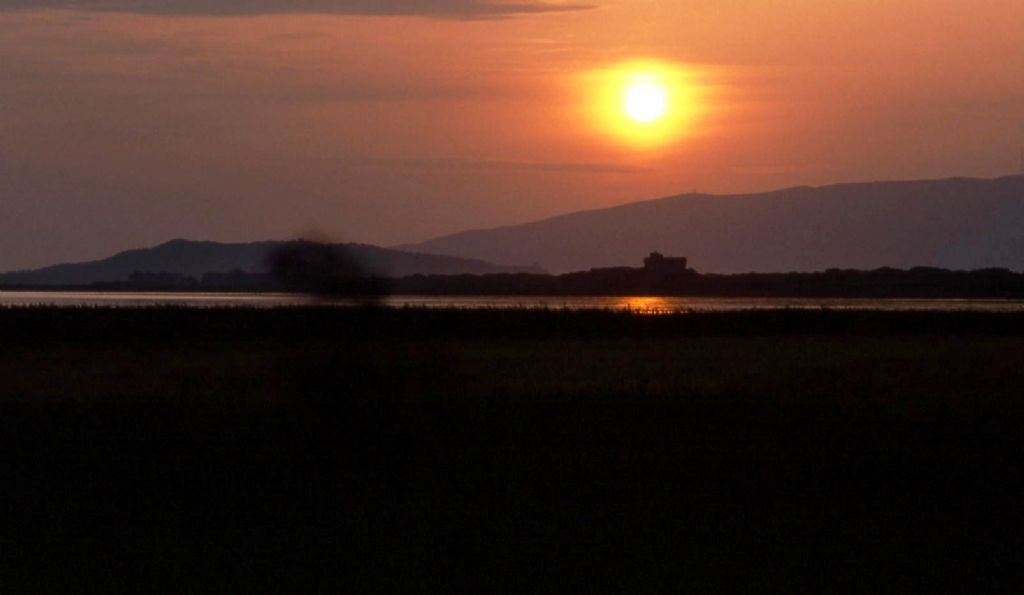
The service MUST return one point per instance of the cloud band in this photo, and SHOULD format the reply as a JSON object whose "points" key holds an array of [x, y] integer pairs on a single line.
{"points": [[455, 9]]}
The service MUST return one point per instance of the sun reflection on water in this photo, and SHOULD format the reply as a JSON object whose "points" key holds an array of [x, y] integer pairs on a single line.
{"points": [[648, 305]]}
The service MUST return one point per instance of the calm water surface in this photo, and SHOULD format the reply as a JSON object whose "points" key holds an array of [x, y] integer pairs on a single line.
{"points": [[652, 304]]}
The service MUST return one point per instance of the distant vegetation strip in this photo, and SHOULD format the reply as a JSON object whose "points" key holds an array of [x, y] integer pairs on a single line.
{"points": [[919, 282], [24, 326]]}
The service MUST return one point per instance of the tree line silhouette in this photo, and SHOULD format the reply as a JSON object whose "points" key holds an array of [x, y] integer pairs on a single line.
{"points": [[328, 272]]}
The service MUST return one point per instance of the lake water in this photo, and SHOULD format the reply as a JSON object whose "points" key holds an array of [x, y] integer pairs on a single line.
{"points": [[652, 304]]}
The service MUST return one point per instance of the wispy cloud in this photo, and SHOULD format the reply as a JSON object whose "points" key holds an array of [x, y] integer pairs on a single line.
{"points": [[453, 9], [476, 164], [772, 169]]}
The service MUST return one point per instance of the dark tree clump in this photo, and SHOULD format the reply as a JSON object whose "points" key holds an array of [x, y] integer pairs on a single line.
{"points": [[324, 270]]}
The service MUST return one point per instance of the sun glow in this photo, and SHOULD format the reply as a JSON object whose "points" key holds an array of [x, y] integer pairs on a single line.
{"points": [[644, 103]]}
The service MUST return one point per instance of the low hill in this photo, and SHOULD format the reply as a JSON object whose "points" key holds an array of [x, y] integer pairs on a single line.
{"points": [[183, 257], [957, 223]]}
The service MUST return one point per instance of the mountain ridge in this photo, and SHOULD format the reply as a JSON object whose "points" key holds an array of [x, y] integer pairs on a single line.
{"points": [[196, 258], [961, 222]]}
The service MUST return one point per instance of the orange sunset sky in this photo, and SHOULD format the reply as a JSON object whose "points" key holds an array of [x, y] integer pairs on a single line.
{"points": [[125, 123]]}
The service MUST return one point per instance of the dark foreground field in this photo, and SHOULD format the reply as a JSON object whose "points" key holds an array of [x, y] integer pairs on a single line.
{"points": [[494, 451]]}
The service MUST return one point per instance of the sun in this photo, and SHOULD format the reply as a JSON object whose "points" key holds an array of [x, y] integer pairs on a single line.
{"points": [[646, 102]]}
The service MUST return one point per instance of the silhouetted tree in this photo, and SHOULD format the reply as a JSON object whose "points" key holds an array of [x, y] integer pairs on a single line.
{"points": [[324, 270]]}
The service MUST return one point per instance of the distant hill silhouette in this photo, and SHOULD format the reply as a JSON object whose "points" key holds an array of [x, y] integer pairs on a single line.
{"points": [[957, 223], [194, 259]]}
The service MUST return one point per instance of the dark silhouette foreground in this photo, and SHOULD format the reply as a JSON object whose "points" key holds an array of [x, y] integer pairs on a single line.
{"points": [[377, 450]]}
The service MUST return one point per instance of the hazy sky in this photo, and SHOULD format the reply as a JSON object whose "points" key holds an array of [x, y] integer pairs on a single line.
{"points": [[125, 123]]}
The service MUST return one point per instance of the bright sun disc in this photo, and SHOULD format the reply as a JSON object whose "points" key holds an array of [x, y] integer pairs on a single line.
{"points": [[646, 102]]}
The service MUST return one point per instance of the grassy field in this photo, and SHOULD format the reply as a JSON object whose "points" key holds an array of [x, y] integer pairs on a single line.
{"points": [[510, 451]]}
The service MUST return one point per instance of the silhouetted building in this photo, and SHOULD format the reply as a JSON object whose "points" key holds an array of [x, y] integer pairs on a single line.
{"points": [[657, 262]]}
